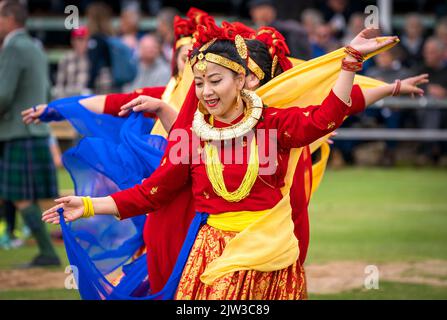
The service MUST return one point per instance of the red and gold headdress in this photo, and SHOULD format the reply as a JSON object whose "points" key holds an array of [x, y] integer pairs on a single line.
{"points": [[206, 34], [184, 28], [278, 48], [209, 32], [235, 28]]}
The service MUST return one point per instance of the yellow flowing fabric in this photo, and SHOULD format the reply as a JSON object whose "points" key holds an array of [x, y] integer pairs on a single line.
{"points": [[174, 95], [319, 168], [269, 243]]}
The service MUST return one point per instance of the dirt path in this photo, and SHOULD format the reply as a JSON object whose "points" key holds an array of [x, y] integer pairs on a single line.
{"points": [[341, 276], [333, 277]]}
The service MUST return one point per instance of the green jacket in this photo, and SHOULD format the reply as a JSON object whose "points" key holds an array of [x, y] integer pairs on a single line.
{"points": [[24, 82]]}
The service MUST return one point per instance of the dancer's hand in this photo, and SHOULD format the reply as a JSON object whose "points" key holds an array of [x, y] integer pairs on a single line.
{"points": [[73, 210], [141, 103], [332, 134], [366, 41], [31, 115], [410, 85]]}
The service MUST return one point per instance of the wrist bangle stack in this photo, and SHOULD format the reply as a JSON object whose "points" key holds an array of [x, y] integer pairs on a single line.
{"points": [[88, 207], [352, 66], [354, 53], [396, 89]]}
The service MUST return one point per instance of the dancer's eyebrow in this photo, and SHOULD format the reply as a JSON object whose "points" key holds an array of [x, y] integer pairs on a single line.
{"points": [[209, 76]]}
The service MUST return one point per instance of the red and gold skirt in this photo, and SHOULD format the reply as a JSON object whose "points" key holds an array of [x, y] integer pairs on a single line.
{"points": [[284, 284]]}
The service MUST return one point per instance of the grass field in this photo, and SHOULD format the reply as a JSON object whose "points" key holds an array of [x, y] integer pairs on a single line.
{"points": [[369, 215]]}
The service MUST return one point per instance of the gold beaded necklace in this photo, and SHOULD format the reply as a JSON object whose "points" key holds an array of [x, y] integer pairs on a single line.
{"points": [[214, 168], [214, 171]]}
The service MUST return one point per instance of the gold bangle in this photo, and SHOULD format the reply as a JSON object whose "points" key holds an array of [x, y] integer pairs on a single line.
{"points": [[88, 207]]}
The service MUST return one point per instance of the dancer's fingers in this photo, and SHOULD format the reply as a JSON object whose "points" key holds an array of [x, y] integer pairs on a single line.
{"points": [[123, 113], [53, 209], [131, 104], [27, 112], [52, 220], [50, 217], [28, 119], [63, 199], [49, 211]]}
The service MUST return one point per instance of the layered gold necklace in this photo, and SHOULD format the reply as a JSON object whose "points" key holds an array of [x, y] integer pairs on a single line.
{"points": [[214, 168], [207, 132]]}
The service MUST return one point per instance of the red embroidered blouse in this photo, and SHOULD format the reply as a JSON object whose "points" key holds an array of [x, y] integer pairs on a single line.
{"points": [[296, 127]]}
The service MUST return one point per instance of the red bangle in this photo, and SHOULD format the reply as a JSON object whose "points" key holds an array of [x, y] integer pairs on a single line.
{"points": [[352, 66], [396, 89], [354, 53]]}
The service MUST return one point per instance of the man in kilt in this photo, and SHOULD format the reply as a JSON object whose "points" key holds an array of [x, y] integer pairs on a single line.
{"points": [[27, 171]]}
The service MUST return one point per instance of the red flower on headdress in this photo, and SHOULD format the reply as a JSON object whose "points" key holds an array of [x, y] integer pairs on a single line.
{"points": [[234, 28], [183, 27], [207, 31], [277, 45], [196, 15]]}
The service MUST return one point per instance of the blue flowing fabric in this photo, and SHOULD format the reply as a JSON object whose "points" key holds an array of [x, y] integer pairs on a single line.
{"points": [[114, 154], [93, 285]]}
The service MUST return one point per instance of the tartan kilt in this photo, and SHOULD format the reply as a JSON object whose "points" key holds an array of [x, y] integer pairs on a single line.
{"points": [[27, 170]]}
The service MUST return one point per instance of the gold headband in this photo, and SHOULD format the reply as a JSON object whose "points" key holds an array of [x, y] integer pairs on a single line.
{"points": [[242, 50], [202, 59], [253, 66], [183, 41], [274, 65]]}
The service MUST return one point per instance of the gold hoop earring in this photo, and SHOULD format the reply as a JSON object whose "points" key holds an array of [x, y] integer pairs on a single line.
{"points": [[238, 100]]}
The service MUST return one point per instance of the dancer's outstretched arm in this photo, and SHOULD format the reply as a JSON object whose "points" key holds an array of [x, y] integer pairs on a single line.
{"points": [[409, 86], [95, 104], [166, 113], [109, 103], [365, 42], [74, 208]]}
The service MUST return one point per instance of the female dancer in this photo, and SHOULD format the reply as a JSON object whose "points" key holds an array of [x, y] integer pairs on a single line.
{"points": [[235, 249]]}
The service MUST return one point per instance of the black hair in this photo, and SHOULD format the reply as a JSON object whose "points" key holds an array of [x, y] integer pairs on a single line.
{"points": [[259, 52], [16, 10], [224, 48]]}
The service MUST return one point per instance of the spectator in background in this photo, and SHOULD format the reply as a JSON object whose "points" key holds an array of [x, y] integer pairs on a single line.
{"points": [[412, 40], [99, 24], [337, 13], [27, 172], [311, 19], [436, 68], [388, 68], [355, 26], [165, 30], [129, 27], [441, 34], [73, 68], [323, 41], [263, 13], [153, 70]]}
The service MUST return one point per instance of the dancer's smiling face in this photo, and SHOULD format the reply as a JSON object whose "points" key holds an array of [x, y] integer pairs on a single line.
{"points": [[218, 89]]}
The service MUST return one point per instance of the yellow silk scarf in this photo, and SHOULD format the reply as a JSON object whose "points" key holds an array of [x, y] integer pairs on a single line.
{"points": [[174, 95]]}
